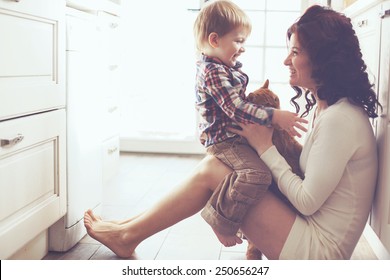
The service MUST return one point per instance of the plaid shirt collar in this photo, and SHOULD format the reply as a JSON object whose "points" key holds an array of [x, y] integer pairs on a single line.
{"points": [[210, 59]]}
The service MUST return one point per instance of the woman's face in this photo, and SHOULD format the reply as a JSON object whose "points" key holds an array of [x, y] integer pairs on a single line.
{"points": [[299, 65]]}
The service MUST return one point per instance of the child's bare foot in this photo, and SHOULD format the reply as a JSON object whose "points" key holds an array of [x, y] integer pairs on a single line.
{"points": [[228, 240], [110, 234]]}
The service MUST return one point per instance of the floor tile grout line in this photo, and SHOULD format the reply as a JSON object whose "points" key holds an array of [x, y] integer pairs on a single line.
{"points": [[94, 253], [162, 243]]}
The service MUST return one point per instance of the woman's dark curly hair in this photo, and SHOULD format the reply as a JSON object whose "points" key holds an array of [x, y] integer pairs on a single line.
{"points": [[338, 68]]}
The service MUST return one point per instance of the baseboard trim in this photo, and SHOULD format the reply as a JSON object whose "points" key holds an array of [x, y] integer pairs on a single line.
{"points": [[161, 146]]}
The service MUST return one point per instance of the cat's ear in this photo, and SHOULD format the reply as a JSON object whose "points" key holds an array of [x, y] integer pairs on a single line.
{"points": [[266, 83]]}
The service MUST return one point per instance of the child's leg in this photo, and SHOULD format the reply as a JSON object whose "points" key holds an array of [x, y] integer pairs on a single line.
{"points": [[238, 191]]}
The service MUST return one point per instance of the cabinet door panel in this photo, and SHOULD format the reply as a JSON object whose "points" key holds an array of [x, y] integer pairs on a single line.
{"points": [[32, 55], [32, 177], [18, 171], [28, 48]]}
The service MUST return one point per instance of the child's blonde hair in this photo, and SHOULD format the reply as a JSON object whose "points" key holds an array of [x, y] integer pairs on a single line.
{"points": [[221, 17]]}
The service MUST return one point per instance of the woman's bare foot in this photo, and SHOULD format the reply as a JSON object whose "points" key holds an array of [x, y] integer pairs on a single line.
{"points": [[110, 234], [228, 240], [97, 217]]}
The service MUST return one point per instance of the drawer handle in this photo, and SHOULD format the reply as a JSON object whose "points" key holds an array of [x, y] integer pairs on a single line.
{"points": [[384, 14], [112, 150], [112, 109], [11, 142], [362, 23]]}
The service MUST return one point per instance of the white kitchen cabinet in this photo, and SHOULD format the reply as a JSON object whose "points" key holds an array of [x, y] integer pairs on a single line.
{"points": [[32, 77], [92, 64], [381, 209], [109, 28], [109, 38], [32, 124], [32, 177], [371, 20], [366, 28], [106, 66]]}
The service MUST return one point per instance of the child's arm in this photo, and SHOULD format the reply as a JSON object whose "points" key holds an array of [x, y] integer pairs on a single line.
{"points": [[236, 107], [231, 99], [288, 121]]}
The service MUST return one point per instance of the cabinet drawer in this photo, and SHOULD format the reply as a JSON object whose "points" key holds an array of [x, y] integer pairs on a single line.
{"points": [[81, 31], [41, 8], [110, 150], [366, 21], [367, 28], [110, 118], [32, 56], [110, 37], [32, 177]]}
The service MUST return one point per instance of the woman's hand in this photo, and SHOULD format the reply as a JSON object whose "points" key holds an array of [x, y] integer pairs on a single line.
{"points": [[258, 136], [289, 122]]}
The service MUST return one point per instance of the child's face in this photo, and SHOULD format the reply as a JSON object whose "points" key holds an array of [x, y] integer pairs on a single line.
{"points": [[228, 47]]}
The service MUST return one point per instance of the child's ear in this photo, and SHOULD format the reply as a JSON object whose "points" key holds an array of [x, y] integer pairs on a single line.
{"points": [[213, 39]]}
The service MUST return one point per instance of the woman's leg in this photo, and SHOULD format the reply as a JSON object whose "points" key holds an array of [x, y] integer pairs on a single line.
{"points": [[268, 224], [190, 197]]}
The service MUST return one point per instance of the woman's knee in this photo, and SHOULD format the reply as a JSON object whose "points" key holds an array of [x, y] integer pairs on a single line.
{"points": [[211, 171]]}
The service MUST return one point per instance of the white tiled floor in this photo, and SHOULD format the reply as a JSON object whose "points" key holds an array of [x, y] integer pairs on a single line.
{"points": [[139, 185], [141, 182]]}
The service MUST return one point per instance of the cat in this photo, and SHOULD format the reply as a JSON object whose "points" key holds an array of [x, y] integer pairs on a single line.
{"points": [[287, 146]]}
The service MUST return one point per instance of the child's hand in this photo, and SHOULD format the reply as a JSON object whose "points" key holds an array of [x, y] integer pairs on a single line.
{"points": [[288, 121]]}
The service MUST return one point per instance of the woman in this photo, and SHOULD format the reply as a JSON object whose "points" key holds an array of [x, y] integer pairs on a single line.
{"points": [[339, 158]]}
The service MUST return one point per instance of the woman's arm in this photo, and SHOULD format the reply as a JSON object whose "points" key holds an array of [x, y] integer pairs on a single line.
{"points": [[330, 151], [258, 136]]}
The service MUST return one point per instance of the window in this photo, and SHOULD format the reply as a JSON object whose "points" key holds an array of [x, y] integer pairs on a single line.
{"points": [[157, 99], [266, 48]]}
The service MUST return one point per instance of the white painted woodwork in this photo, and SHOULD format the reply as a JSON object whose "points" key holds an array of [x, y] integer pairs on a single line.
{"points": [[372, 29], [32, 178], [32, 76]]}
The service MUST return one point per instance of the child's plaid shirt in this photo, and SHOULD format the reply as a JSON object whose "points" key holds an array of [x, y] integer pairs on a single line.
{"points": [[221, 101]]}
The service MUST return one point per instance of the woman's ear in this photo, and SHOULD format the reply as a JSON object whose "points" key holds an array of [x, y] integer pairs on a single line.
{"points": [[213, 39]]}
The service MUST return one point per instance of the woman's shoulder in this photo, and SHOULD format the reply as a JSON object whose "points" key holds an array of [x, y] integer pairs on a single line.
{"points": [[351, 120], [345, 110]]}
